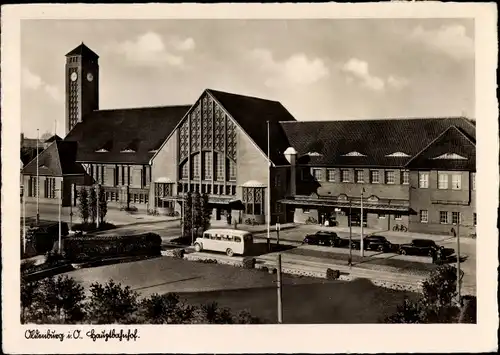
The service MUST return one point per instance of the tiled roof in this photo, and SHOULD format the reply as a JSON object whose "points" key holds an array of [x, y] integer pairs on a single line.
{"points": [[252, 114], [373, 139], [84, 51], [453, 150], [137, 131], [57, 160]]}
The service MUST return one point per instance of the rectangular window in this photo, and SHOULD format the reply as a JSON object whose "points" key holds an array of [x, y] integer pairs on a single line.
{"points": [[381, 216], [424, 216], [442, 181], [475, 219], [473, 180], [360, 176], [443, 217], [331, 175], [162, 190], [277, 207], [233, 190], [219, 169], [318, 174], [346, 176], [455, 217], [423, 180], [207, 165], [277, 180], [398, 216], [405, 179], [374, 177], [456, 181], [257, 208], [195, 167], [390, 177], [185, 171], [50, 187], [209, 189], [232, 170]]}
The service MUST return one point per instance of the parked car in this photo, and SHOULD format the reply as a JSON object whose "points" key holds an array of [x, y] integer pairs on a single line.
{"points": [[420, 247], [323, 238], [373, 242]]}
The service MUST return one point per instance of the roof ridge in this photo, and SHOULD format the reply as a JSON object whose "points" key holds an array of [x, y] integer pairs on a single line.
{"points": [[58, 156], [141, 108], [247, 96], [378, 119]]}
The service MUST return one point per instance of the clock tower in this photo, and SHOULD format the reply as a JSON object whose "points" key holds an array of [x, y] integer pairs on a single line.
{"points": [[82, 84]]}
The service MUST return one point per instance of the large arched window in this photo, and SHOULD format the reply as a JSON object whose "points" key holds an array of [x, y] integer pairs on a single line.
{"points": [[253, 199], [208, 165], [231, 169], [184, 170], [195, 166]]}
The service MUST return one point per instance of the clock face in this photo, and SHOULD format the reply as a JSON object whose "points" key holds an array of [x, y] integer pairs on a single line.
{"points": [[74, 76], [90, 77]]}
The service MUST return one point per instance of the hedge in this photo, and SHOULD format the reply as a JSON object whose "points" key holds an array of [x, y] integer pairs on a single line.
{"points": [[92, 247]]}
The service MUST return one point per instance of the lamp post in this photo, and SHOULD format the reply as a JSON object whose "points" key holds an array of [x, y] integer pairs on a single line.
{"points": [[268, 214], [97, 203], [24, 218], [459, 298], [349, 261], [37, 181], [60, 206], [361, 247]]}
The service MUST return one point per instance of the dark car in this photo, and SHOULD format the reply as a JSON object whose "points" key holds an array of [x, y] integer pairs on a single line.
{"points": [[420, 247], [373, 242], [323, 238]]}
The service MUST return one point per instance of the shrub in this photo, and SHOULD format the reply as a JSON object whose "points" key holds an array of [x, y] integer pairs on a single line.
{"points": [[311, 220], [88, 247], [249, 263], [244, 317], [178, 253], [166, 309], [83, 205], [207, 261], [90, 227], [265, 269], [213, 314], [52, 258], [332, 274]]}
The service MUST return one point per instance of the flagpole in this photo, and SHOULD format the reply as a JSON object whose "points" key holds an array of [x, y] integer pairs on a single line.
{"points": [[362, 220], [37, 180], [268, 189]]}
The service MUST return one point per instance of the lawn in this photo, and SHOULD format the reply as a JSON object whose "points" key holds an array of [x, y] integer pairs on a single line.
{"points": [[305, 300]]}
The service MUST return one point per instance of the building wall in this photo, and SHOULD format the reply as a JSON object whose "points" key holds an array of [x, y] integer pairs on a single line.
{"points": [[435, 200], [65, 183], [164, 165]]}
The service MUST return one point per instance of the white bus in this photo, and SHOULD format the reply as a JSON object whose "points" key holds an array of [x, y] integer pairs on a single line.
{"points": [[229, 241]]}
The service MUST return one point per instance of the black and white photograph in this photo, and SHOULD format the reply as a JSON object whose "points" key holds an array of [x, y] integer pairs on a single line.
{"points": [[243, 169]]}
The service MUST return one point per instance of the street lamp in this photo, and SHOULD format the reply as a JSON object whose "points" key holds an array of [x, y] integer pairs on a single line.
{"points": [[362, 249], [24, 218], [349, 262], [459, 298], [60, 205], [37, 181]]}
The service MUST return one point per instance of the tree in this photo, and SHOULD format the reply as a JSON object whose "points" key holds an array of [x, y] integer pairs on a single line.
{"points": [[213, 314], [83, 205], [166, 309], [92, 205], [111, 303], [197, 213], [30, 294], [63, 298], [206, 212], [103, 205], [188, 214]]}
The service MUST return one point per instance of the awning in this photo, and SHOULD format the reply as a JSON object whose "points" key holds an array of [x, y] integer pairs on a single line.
{"points": [[347, 204], [253, 183], [211, 199]]}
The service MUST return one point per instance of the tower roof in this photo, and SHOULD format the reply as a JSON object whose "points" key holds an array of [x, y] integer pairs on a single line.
{"points": [[84, 51]]}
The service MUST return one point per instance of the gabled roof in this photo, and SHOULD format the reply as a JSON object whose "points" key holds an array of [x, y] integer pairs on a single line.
{"points": [[451, 150], [57, 160], [252, 114], [114, 131], [84, 51], [377, 139]]}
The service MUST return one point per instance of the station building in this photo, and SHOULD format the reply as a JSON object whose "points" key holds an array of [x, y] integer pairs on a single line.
{"points": [[417, 173]]}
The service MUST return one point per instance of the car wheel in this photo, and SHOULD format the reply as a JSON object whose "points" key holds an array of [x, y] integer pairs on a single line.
{"points": [[381, 248], [197, 247], [430, 253], [229, 252], [402, 252]]}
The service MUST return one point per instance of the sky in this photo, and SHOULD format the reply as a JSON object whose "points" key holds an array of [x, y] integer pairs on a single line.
{"points": [[329, 69]]}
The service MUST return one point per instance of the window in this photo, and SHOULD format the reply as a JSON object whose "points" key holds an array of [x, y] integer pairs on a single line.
{"points": [[277, 180], [50, 188], [382, 216], [207, 165], [219, 168], [33, 186], [424, 216], [442, 181], [346, 176], [473, 181], [443, 217], [163, 190], [390, 177], [455, 217], [405, 179], [195, 166], [185, 170], [456, 181], [253, 200], [475, 218], [374, 177], [331, 175], [318, 174], [359, 176], [277, 207], [398, 216], [232, 170], [423, 180]]}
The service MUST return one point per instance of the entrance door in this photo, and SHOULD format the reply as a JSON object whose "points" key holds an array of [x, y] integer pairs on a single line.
{"points": [[356, 219], [218, 214]]}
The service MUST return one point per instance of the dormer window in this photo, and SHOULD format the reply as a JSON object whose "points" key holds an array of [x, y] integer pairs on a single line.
{"points": [[354, 154], [128, 151], [131, 147], [314, 154], [105, 148], [102, 150], [450, 156], [397, 155]]}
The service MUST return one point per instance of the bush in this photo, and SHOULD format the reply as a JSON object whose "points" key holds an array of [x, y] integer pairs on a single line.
{"points": [[311, 220], [207, 261], [89, 247], [265, 269], [166, 309], [178, 253], [91, 227], [52, 258], [332, 274], [249, 263]]}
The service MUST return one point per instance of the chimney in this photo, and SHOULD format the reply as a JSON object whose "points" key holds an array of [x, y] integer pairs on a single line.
{"points": [[291, 156]]}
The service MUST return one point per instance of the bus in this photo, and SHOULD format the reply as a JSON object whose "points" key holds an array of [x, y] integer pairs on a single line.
{"points": [[229, 241]]}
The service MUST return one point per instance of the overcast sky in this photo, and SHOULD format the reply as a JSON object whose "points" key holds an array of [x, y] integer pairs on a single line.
{"points": [[318, 69]]}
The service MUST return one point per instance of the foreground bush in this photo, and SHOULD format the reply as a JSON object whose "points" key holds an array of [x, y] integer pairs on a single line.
{"points": [[89, 247], [62, 300], [332, 274], [92, 227]]}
